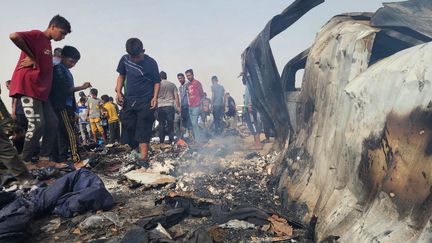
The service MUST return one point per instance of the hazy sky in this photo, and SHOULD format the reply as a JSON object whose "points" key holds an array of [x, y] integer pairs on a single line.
{"points": [[207, 36]]}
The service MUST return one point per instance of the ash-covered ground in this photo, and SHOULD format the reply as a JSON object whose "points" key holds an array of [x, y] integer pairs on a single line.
{"points": [[223, 174]]}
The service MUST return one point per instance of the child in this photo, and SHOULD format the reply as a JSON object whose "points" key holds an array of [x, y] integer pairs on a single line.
{"points": [[31, 82], [83, 120], [63, 102], [95, 113], [113, 120]]}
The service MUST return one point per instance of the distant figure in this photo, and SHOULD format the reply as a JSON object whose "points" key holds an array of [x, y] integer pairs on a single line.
{"points": [[184, 105], [231, 111], [83, 120], [141, 95], [251, 119], [195, 94], [31, 82], [205, 120], [218, 94], [113, 120], [57, 56], [168, 100], [94, 105]]}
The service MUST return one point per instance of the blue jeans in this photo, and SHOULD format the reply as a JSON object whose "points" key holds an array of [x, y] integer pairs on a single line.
{"points": [[194, 113]]}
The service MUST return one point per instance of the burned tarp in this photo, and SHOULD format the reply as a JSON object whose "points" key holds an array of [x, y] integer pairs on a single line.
{"points": [[412, 17], [260, 72]]}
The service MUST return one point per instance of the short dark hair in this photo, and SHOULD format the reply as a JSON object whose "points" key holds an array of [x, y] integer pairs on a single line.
{"points": [[82, 99], [134, 46], [81, 93], [189, 71], [60, 22], [105, 98], [215, 78], [94, 91], [163, 75], [111, 99], [180, 75], [72, 52]]}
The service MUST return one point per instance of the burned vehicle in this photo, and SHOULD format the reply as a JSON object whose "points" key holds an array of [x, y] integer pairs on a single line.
{"points": [[356, 139]]}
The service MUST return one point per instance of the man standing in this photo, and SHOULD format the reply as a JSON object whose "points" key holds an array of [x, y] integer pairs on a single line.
{"points": [[31, 82], [218, 93], [184, 103], [168, 96], [141, 94], [195, 94]]}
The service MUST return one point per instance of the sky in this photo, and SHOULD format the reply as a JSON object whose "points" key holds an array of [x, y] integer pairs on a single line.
{"points": [[207, 36]]}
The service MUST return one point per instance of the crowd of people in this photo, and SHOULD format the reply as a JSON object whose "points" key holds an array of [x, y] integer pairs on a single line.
{"points": [[50, 124]]}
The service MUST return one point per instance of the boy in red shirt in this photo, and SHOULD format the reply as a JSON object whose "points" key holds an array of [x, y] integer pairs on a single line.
{"points": [[31, 82]]}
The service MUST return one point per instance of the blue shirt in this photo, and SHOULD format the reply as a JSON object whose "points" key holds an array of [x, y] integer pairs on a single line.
{"points": [[141, 76]]}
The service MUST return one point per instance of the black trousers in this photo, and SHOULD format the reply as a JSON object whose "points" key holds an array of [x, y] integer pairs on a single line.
{"points": [[166, 122], [42, 122], [66, 136], [138, 118], [114, 131], [218, 112]]}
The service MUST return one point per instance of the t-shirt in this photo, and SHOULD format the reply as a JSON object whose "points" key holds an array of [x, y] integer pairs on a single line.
{"points": [[29, 81], [167, 93], [94, 107], [218, 94], [82, 112], [111, 111], [196, 93], [61, 95], [141, 77]]}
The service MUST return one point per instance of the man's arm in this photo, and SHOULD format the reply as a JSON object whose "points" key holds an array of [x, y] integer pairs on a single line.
{"points": [[119, 87], [21, 44], [153, 104], [14, 106], [177, 100], [79, 88]]}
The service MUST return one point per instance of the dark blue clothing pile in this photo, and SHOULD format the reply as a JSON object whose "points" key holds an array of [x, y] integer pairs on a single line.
{"points": [[77, 192]]}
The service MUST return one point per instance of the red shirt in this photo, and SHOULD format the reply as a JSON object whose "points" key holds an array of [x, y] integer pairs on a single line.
{"points": [[29, 81], [196, 92]]}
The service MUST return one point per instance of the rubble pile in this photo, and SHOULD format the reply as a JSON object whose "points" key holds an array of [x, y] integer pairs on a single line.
{"points": [[221, 192]]}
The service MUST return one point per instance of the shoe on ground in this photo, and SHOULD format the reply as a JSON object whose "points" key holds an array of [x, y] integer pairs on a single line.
{"points": [[110, 145]]}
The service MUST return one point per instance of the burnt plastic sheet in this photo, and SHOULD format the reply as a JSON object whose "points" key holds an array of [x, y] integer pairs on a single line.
{"points": [[250, 214], [260, 72], [412, 17], [167, 220]]}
